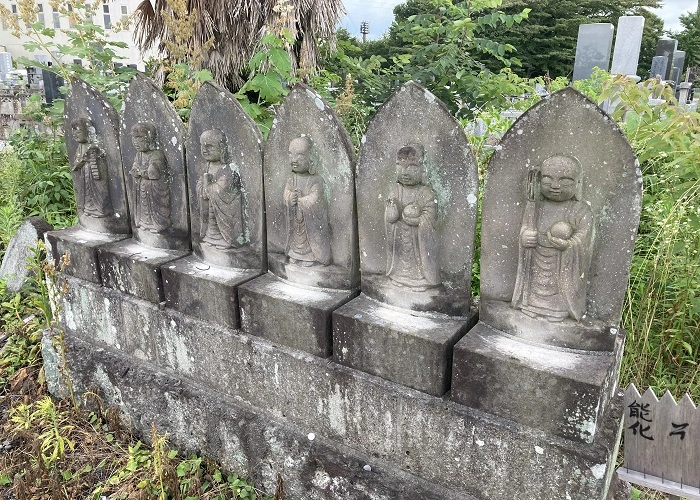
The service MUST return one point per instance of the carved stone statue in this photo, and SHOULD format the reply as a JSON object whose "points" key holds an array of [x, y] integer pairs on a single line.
{"points": [[409, 217], [308, 232], [91, 183], [151, 179], [219, 190], [555, 244]]}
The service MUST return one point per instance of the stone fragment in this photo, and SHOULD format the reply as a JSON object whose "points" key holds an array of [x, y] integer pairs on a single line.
{"points": [[15, 264], [592, 49]]}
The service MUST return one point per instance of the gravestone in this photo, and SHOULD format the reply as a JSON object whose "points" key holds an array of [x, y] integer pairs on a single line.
{"points": [[311, 227], [658, 66], [678, 63], [628, 43], [152, 147], [416, 199], [592, 49], [98, 178], [559, 217], [15, 264], [224, 172], [666, 47]]}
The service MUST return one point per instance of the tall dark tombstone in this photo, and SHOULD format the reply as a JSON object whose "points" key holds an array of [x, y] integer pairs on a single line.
{"points": [[592, 49], [678, 64], [666, 47], [153, 157], [224, 174], [309, 173], [560, 213], [416, 197], [52, 84], [92, 141]]}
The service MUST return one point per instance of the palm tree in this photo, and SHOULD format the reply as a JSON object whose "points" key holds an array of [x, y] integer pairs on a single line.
{"points": [[226, 32]]}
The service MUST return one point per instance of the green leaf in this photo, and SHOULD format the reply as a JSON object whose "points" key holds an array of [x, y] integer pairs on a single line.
{"points": [[268, 86]]}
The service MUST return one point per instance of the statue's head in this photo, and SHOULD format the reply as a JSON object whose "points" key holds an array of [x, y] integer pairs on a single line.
{"points": [[214, 145], [300, 154], [143, 136], [81, 128], [409, 165], [560, 178]]}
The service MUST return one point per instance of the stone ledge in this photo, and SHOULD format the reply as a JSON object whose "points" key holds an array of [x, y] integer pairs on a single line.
{"points": [[462, 450], [415, 351], [561, 391]]}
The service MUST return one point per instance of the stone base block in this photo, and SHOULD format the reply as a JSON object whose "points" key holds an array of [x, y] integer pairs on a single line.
{"points": [[206, 292], [133, 268], [265, 410], [415, 351], [81, 246], [290, 315], [561, 391]]}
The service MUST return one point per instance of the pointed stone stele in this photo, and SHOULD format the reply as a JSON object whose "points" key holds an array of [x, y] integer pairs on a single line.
{"points": [[92, 141], [416, 197], [312, 252], [224, 173], [560, 212], [153, 155]]}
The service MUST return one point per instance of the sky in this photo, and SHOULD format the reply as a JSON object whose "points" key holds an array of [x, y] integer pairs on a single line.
{"points": [[379, 14]]}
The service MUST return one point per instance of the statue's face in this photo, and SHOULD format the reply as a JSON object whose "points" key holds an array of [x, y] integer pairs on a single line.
{"points": [[80, 132], [300, 156], [141, 141], [211, 147], [409, 173], [559, 179]]}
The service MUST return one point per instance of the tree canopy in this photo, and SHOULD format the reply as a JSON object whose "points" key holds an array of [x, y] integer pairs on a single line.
{"points": [[546, 41], [689, 38]]}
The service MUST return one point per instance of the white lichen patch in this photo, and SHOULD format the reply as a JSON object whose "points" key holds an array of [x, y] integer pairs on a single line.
{"points": [[598, 471], [336, 411], [539, 450]]}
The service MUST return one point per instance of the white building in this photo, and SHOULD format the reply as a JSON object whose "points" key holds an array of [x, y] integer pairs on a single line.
{"points": [[108, 13]]}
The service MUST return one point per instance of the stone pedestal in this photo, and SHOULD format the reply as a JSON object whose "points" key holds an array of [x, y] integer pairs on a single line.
{"points": [[289, 314], [409, 349], [206, 292], [133, 268], [330, 431], [81, 246], [561, 391]]}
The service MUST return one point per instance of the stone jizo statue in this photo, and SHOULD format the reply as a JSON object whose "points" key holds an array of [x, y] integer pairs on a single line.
{"points": [[91, 183], [410, 216], [308, 231], [555, 244], [151, 179], [219, 190]]}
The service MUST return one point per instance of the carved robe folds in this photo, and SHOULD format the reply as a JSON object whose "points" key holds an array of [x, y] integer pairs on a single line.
{"points": [[308, 234], [552, 283], [152, 194], [222, 207], [412, 256], [92, 191]]}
